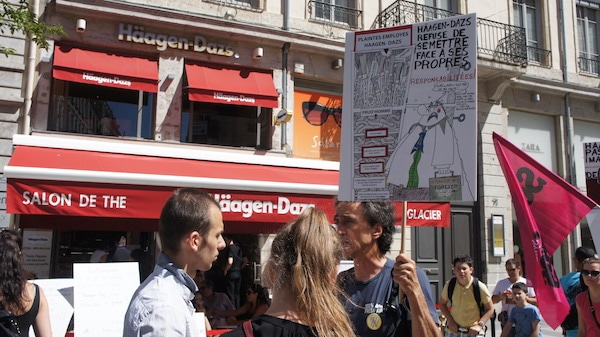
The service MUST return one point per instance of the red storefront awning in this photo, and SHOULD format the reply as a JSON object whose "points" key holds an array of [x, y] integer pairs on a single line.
{"points": [[238, 86], [106, 69], [76, 183]]}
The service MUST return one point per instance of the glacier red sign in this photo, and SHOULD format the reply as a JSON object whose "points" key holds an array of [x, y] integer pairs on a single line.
{"points": [[433, 214]]}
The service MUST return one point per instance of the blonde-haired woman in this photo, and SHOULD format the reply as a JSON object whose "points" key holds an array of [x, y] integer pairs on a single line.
{"points": [[588, 302], [302, 269]]}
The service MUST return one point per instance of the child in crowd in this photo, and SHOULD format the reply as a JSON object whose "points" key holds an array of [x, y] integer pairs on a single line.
{"points": [[526, 318]]}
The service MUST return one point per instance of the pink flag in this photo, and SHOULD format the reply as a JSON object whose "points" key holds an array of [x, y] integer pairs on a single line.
{"points": [[548, 209]]}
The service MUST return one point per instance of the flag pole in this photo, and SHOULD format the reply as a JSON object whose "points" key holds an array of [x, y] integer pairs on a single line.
{"points": [[402, 240], [403, 227]]}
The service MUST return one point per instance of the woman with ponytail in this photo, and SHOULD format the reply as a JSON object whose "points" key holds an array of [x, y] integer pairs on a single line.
{"points": [[301, 270]]}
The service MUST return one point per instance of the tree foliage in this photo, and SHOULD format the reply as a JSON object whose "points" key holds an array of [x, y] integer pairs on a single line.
{"points": [[18, 16]]}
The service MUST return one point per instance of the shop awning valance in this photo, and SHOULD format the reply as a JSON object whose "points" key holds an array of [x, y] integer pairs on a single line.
{"points": [[105, 69], [238, 86], [135, 183]]}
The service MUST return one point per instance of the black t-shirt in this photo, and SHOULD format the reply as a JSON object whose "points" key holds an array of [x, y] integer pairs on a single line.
{"points": [[269, 326], [235, 252]]}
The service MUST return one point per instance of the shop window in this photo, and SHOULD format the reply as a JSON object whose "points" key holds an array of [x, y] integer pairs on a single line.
{"points": [[447, 7], [339, 12], [527, 15], [245, 4], [441, 4], [99, 110], [79, 247], [225, 125], [587, 35]]}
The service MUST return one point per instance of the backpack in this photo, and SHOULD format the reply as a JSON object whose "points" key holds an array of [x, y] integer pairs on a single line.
{"points": [[8, 324], [402, 311], [476, 292], [571, 322], [404, 322]]}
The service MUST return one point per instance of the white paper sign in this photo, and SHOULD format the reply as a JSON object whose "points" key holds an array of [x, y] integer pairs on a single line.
{"points": [[200, 317], [102, 294], [4, 218], [37, 250], [59, 293]]}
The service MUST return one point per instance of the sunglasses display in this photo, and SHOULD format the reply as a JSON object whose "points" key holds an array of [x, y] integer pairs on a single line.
{"points": [[316, 113], [592, 273]]}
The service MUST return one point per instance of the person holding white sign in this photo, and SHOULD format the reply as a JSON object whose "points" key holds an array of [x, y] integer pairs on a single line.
{"points": [[24, 299], [372, 286], [190, 230]]}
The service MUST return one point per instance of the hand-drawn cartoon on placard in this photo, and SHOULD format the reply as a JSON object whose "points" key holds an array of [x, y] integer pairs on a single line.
{"points": [[429, 135], [412, 135]]}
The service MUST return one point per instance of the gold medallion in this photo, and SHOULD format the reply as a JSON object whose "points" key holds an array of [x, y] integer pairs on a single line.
{"points": [[374, 321]]}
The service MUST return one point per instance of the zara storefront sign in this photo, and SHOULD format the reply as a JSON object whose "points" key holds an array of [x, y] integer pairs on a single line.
{"points": [[137, 34]]}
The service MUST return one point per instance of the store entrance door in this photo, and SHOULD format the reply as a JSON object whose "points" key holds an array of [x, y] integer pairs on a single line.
{"points": [[434, 248], [429, 256]]}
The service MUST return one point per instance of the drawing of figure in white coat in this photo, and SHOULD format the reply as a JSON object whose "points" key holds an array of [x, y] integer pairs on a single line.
{"points": [[428, 148]]}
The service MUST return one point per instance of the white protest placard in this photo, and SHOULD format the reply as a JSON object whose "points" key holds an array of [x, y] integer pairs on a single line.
{"points": [[591, 152], [409, 131], [102, 294], [59, 293], [200, 317]]}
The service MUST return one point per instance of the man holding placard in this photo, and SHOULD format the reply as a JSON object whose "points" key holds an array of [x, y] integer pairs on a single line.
{"points": [[371, 286], [190, 229]]}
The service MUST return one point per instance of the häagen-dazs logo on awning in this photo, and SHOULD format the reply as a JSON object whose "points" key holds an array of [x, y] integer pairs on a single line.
{"points": [[137, 34]]}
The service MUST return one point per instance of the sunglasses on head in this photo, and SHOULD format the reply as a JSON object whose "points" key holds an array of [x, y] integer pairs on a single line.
{"points": [[592, 273], [317, 114]]}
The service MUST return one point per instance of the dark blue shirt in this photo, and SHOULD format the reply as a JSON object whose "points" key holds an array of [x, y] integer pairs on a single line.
{"points": [[372, 312]]}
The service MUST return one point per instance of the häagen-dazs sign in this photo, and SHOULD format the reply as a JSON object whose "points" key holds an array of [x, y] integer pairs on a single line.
{"points": [[137, 34]]}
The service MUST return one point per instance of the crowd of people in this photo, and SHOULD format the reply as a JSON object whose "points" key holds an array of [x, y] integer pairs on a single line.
{"points": [[377, 297]]}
